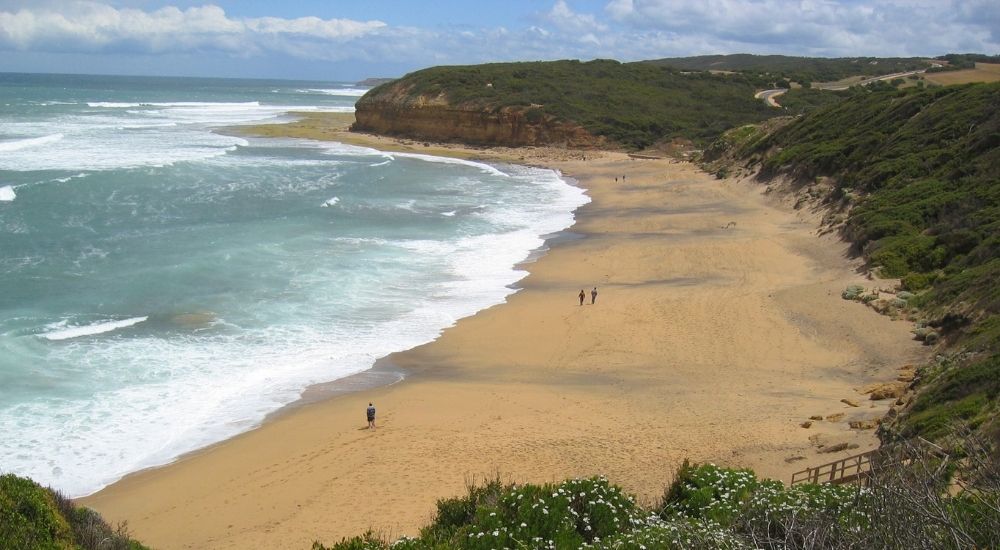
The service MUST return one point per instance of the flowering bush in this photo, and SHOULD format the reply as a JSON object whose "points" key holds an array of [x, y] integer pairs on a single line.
{"points": [[708, 507], [762, 509], [565, 515]]}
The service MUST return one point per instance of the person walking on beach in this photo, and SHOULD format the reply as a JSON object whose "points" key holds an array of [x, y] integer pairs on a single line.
{"points": [[582, 296], [593, 296], [371, 416]]}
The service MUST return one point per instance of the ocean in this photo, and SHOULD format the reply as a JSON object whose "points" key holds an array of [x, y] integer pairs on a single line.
{"points": [[165, 286]]}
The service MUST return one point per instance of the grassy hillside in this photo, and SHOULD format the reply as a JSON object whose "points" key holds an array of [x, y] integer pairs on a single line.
{"points": [[799, 101], [35, 518], [917, 173], [635, 105], [769, 68]]}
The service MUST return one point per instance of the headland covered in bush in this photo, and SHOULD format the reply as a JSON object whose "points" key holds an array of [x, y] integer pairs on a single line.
{"points": [[631, 104], [767, 70], [605, 103]]}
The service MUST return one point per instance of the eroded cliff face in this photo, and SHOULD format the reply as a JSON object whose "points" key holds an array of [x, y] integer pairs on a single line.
{"points": [[393, 112]]}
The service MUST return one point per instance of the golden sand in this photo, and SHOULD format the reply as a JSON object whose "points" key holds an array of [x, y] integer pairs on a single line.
{"points": [[707, 343]]}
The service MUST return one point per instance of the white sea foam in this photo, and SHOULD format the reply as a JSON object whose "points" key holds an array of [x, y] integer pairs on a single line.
{"points": [[328, 109], [331, 202], [89, 330], [449, 160], [181, 390], [377, 164], [143, 126], [18, 144], [214, 104], [119, 139], [337, 148], [207, 112], [7, 193], [347, 92], [67, 178]]}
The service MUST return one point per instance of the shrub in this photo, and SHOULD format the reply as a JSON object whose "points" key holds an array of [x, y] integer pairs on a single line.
{"points": [[917, 281], [708, 507], [29, 517], [33, 517], [852, 292], [679, 535], [761, 509]]}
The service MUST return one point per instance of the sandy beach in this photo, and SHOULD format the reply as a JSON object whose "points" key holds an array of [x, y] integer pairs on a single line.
{"points": [[706, 342]]}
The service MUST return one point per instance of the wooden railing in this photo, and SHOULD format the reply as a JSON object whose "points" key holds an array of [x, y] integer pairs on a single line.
{"points": [[853, 469], [858, 468]]}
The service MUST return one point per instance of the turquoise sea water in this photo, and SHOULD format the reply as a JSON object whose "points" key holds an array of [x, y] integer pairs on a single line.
{"points": [[165, 287]]}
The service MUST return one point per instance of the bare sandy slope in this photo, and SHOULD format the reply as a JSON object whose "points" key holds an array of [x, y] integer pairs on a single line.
{"points": [[705, 343]]}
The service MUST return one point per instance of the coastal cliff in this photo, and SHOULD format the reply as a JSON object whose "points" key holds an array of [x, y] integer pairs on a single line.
{"points": [[597, 104], [392, 110]]}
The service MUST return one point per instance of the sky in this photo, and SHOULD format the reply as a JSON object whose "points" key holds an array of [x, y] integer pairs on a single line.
{"points": [[347, 41]]}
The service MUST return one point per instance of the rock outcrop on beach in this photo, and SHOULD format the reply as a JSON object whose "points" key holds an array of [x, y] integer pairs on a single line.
{"points": [[394, 110]]}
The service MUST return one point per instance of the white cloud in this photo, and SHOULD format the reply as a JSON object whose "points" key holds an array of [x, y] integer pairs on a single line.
{"points": [[627, 30], [620, 9], [820, 27], [94, 27], [564, 18]]}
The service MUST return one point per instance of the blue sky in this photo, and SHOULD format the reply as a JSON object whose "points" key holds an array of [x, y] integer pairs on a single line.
{"points": [[339, 40]]}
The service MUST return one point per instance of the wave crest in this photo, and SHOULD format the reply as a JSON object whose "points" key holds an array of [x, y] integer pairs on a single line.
{"points": [[18, 144], [89, 330]]}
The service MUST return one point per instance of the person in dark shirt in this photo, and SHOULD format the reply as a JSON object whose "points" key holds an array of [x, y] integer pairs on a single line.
{"points": [[582, 296], [371, 416], [593, 296]]}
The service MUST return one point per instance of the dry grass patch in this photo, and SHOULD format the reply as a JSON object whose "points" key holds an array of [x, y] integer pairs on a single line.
{"points": [[984, 72]]}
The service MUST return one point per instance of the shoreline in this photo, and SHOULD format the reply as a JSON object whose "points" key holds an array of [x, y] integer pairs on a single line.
{"points": [[384, 371], [705, 343]]}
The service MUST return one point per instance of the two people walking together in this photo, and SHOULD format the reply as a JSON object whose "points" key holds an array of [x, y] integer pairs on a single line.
{"points": [[593, 296]]}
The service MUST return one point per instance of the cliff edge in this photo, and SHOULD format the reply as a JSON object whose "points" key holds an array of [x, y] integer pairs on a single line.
{"points": [[395, 109]]}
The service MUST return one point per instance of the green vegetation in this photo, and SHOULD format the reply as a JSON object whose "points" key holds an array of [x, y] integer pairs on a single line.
{"points": [[634, 104], [766, 70], [711, 507], [966, 393], [36, 518], [917, 172], [799, 101], [959, 61]]}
